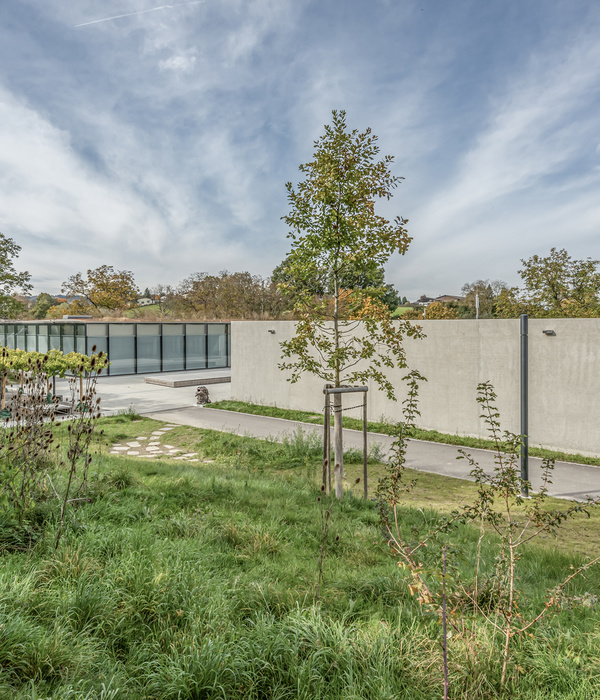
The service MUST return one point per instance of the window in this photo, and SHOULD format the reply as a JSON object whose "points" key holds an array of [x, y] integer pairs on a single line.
{"points": [[148, 347], [172, 346], [195, 345], [121, 348]]}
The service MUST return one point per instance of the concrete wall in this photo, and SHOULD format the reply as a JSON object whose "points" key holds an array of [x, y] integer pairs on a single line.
{"points": [[564, 377]]}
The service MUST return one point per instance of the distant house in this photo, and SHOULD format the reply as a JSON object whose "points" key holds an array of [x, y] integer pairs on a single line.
{"points": [[448, 297], [145, 301], [443, 299]]}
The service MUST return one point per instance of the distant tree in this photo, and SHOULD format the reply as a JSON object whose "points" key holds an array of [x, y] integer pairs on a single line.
{"points": [[237, 295], [74, 308], [147, 294], [11, 281], [42, 305], [316, 284], [390, 297], [488, 291], [554, 286], [437, 310], [336, 235], [104, 288], [58, 311], [369, 277], [165, 298]]}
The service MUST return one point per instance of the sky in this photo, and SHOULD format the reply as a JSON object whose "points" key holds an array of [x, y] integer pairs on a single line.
{"points": [[159, 138]]}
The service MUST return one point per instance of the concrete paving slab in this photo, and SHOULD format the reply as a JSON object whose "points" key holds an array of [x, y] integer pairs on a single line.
{"points": [[571, 481], [130, 392]]}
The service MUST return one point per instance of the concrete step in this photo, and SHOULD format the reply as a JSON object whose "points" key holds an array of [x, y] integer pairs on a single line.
{"points": [[194, 381]]}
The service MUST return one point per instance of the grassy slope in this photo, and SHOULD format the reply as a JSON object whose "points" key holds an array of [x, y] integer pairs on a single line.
{"points": [[198, 581], [387, 429], [401, 310]]}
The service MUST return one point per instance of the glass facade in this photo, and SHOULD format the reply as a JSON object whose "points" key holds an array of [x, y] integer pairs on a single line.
{"points": [[132, 348], [148, 348], [173, 347]]}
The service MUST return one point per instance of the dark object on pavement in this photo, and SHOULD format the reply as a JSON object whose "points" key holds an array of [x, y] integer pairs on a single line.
{"points": [[202, 397]]}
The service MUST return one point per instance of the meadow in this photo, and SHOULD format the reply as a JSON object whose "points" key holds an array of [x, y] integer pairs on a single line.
{"points": [[202, 580]]}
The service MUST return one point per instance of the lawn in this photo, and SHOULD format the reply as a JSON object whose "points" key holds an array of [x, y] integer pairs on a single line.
{"points": [[200, 580], [401, 310], [388, 429]]}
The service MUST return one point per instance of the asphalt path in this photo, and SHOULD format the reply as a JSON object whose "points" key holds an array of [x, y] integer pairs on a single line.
{"points": [[569, 480]]}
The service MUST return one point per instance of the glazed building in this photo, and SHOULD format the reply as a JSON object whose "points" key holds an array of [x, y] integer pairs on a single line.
{"points": [[132, 348]]}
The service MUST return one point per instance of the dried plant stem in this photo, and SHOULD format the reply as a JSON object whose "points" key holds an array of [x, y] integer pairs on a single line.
{"points": [[444, 624]]}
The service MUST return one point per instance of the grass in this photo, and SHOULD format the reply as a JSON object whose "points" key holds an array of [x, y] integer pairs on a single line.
{"points": [[301, 455], [401, 310], [192, 581], [387, 429]]}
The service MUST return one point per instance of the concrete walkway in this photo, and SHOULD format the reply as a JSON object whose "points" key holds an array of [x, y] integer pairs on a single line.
{"points": [[121, 393], [572, 481]]}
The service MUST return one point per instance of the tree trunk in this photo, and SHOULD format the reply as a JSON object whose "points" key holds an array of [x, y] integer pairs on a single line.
{"points": [[338, 441], [338, 446]]}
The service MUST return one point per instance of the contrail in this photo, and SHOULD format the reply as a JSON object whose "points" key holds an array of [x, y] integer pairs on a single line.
{"points": [[140, 12]]}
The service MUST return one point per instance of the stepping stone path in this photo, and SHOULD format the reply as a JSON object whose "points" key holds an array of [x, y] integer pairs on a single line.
{"points": [[153, 447]]}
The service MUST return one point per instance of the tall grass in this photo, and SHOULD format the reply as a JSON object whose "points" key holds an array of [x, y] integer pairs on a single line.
{"points": [[198, 581]]}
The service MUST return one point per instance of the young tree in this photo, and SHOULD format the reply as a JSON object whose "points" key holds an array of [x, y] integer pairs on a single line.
{"points": [[104, 288], [43, 304], [553, 287], [336, 233], [10, 279]]}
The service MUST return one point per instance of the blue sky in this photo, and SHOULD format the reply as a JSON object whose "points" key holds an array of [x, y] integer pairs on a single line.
{"points": [[158, 138]]}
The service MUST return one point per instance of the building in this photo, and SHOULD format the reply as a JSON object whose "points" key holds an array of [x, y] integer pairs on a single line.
{"points": [[445, 298], [132, 348]]}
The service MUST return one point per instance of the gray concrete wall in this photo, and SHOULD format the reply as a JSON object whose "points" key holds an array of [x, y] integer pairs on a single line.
{"points": [[455, 356]]}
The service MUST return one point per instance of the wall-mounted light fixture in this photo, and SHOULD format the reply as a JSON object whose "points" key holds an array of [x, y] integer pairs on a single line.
{"points": [[273, 332], [549, 332]]}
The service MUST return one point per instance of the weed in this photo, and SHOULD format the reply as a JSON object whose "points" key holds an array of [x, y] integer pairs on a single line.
{"points": [[500, 506]]}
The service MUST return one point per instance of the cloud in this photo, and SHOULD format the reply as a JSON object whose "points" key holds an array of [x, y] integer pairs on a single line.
{"points": [[525, 183], [50, 194], [179, 63], [535, 130], [160, 141]]}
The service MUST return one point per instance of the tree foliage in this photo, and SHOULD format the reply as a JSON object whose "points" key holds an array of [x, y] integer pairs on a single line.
{"points": [[337, 234], [488, 291], [437, 310], [369, 277], [554, 286], [41, 307], [104, 288], [237, 295], [11, 280], [78, 307]]}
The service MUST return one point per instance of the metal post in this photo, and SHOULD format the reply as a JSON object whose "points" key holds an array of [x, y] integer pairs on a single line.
{"points": [[524, 404], [338, 445], [329, 451], [365, 447], [326, 445]]}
